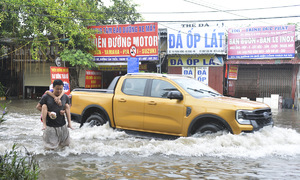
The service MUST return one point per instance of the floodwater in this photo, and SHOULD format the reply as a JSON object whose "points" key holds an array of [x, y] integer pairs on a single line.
{"points": [[105, 153]]}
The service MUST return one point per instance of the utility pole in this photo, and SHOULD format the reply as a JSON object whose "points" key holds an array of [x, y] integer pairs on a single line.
{"points": [[159, 58]]}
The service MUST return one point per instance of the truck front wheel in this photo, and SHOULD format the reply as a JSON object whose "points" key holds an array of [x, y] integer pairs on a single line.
{"points": [[208, 129], [95, 120]]}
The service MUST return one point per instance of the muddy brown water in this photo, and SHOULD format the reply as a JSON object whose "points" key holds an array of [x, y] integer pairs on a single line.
{"points": [[105, 153]]}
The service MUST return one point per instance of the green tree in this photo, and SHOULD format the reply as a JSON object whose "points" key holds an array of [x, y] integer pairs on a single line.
{"points": [[62, 23]]}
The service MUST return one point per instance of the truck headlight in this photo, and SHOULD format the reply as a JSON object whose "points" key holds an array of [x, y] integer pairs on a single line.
{"points": [[241, 116]]}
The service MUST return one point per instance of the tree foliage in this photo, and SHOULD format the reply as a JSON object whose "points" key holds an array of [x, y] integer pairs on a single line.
{"points": [[78, 59], [61, 23]]}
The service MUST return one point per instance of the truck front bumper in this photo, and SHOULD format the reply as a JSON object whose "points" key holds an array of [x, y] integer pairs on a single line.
{"points": [[258, 124]]}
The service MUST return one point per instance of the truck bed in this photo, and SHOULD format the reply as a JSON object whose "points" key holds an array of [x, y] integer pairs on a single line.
{"points": [[94, 90]]}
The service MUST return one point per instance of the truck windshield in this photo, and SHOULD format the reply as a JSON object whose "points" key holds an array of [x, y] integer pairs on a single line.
{"points": [[196, 88]]}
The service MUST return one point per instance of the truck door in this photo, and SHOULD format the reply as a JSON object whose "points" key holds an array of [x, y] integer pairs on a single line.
{"points": [[128, 104], [163, 114]]}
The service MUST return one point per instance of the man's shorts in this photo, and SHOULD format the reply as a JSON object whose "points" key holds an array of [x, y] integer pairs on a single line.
{"points": [[55, 137]]}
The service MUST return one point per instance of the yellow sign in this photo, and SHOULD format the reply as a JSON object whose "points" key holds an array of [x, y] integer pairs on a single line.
{"points": [[186, 60], [113, 68], [142, 67]]}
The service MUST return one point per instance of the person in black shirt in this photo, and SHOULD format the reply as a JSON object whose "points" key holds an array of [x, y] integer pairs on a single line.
{"points": [[56, 131]]}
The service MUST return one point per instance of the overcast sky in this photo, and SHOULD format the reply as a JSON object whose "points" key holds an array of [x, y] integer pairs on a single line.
{"points": [[178, 10]]}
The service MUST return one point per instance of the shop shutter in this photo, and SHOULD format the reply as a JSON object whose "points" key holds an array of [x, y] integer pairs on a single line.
{"points": [[275, 80], [262, 81], [246, 85], [37, 74]]}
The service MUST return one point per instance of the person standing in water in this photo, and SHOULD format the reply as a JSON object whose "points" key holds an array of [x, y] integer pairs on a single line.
{"points": [[56, 131]]}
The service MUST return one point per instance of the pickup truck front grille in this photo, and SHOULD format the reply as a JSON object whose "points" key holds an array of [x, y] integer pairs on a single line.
{"points": [[262, 117]]}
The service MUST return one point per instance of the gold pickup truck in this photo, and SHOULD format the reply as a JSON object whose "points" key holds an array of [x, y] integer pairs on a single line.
{"points": [[167, 104]]}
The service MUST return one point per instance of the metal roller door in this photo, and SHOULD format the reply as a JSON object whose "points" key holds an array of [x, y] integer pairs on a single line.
{"points": [[262, 81], [246, 85]]}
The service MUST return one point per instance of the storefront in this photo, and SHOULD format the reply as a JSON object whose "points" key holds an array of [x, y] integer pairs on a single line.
{"points": [[29, 78], [118, 44], [262, 62], [197, 50], [255, 80], [205, 68]]}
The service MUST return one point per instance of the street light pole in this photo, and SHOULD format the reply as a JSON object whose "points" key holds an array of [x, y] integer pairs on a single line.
{"points": [[159, 41]]}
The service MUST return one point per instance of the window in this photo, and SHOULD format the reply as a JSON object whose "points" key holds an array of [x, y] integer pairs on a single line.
{"points": [[134, 86], [161, 88]]}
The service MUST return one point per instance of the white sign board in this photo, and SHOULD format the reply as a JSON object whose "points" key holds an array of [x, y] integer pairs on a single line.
{"points": [[196, 40], [202, 74], [188, 71]]}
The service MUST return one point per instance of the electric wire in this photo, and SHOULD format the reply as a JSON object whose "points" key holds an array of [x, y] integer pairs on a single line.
{"points": [[214, 20], [227, 10], [220, 10]]}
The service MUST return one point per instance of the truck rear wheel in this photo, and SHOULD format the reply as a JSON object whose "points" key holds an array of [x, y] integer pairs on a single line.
{"points": [[95, 120]]}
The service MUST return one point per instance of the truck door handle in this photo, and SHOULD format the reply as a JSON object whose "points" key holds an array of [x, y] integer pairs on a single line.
{"points": [[152, 103], [122, 100]]}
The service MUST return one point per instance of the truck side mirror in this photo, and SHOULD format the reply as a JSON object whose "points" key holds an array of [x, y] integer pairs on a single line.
{"points": [[175, 95]]}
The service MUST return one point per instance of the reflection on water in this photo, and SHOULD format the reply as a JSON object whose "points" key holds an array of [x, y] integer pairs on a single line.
{"points": [[172, 167], [287, 118], [104, 153]]}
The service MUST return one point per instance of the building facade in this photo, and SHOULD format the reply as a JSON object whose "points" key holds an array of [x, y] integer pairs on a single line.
{"points": [[263, 61], [198, 50]]}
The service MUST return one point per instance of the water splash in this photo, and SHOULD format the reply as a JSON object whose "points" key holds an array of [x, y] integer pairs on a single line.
{"points": [[104, 141]]}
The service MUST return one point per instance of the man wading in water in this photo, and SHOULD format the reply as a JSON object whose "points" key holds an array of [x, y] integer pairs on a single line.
{"points": [[56, 132]]}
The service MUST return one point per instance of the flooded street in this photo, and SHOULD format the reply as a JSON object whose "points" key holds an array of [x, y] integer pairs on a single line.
{"points": [[105, 153]]}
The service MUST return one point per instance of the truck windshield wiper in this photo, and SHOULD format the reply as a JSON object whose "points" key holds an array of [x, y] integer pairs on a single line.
{"points": [[197, 90], [204, 90], [170, 89]]}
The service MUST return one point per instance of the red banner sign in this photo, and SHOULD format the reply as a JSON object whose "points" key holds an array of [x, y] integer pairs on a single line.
{"points": [[263, 42], [61, 73], [93, 79], [233, 72], [113, 41]]}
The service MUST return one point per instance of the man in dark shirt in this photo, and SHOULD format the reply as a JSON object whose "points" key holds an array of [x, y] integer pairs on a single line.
{"points": [[56, 133]]}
